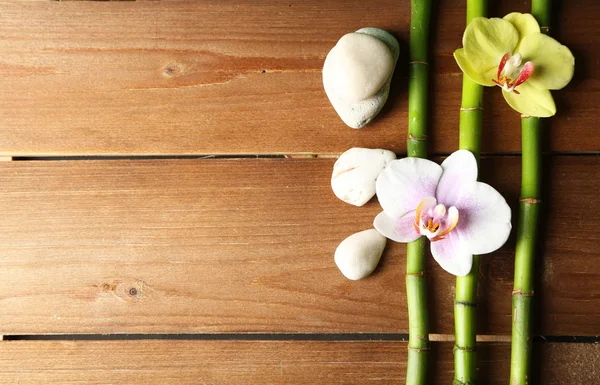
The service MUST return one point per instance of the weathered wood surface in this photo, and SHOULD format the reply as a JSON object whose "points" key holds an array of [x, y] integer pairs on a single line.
{"points": [[269, 362], [181, 246], [223, 77]]}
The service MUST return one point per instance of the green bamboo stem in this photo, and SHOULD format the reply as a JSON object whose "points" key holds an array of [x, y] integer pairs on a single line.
{"points": [[523, 291], [540, 9], [416, 288], [529, 211], [465, 317], [418, 327]]}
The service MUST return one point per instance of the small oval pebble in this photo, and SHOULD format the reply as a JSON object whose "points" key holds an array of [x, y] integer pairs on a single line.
{"points": [[358, 255], [356, 80], [355, 172], [363, 64]]}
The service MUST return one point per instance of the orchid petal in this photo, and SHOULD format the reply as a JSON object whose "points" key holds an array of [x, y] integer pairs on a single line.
{"points": [[425, 205], [531, 101], [450, 222], [484, 79], [486, 40], [502, 64], [460, 169], [484, 223], [525, 24], [452, 254], [554, 62], [404, 183], [525, 74], [399, 230]]}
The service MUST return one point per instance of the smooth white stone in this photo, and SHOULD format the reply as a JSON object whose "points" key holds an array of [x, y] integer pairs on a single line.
{"points": [[355, 172], [362, 65], [359, 113], [358, 255]]}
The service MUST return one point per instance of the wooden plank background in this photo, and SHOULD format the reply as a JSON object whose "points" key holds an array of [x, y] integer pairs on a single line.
{"points": [[247, 246], [267, 362], [237, 254], [243, 77]]}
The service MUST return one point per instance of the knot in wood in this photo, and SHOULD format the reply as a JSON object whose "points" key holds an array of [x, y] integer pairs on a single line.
{"points": [[172, 70], [125, 289]]}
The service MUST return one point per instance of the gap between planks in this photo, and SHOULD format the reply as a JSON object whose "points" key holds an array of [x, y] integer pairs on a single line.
{"points": [[289, 337], [296, 156], [349, 337]]}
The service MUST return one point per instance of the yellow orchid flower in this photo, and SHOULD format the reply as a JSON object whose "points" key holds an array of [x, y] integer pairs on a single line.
{"points": [[513, 54]]}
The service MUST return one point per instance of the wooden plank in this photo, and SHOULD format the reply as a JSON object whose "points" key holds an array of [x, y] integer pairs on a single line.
{"points": [[242, 77], [270, 362], [185, 246]]}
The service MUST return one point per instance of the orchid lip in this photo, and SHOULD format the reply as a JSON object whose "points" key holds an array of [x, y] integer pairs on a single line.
{"points": [[510, 72], [434, 220]]}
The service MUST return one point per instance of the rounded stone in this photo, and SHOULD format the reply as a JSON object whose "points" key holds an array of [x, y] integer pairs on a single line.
{"points": [[355, 172], [362, 65], [358, 114], [358, 255]]}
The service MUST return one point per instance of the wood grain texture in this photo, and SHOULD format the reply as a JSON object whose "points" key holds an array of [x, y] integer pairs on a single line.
{"points": [[244, 77], [270, 362], [183, 246]]}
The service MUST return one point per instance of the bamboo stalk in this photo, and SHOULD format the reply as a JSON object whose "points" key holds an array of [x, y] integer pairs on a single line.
{"points": [[416, 288], [465, 316], [523, 291], [529, 211]]}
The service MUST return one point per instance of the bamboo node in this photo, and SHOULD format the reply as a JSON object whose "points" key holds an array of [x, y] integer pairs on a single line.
{"points": [[418, 62], [421, 274], [545, 29], [459, 382], [471, 108], [418, 350], [411, 137], [520, 292], [530, 201], [465, 303], [464, 348]]}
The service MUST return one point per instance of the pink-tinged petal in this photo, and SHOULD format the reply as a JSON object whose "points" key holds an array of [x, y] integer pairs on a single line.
{"points": [[460, 169], [526, 72], [399, 230], [449, 224], [502, 64], [404, 183], [424, 206], [484, 218], [452, 254]]}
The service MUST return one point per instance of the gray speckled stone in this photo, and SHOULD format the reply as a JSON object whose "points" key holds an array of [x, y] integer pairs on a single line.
{"points": [[358, 114]]}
